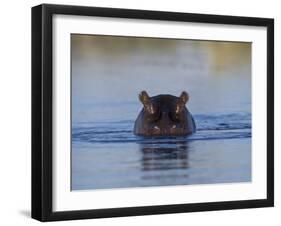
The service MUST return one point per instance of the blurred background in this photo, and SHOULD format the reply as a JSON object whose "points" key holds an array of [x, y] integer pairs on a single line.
{"points": [[109, 71]]}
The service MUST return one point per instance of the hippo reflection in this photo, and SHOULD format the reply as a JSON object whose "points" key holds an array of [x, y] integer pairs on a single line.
{"points": [[164, 156], [164, 115]]}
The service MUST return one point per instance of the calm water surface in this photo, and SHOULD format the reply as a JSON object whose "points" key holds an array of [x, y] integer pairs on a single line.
{"points": [[108, 74]]}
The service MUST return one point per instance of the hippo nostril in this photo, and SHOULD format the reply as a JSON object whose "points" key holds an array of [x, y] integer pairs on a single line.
{"points": [[156, 127]]}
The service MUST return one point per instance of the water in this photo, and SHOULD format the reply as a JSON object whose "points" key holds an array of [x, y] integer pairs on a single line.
{"points": [[108, 155], [108, 74]]}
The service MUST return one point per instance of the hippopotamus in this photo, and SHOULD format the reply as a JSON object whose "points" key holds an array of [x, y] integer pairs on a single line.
{"points": [[164, 115]]}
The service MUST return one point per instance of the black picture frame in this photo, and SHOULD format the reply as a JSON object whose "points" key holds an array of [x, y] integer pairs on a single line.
{"points": [[42, 107]]}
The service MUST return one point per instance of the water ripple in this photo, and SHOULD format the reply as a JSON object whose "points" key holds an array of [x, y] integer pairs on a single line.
{"points": [[209, 127]]}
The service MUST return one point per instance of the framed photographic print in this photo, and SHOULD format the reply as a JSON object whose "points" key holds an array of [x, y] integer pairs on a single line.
{"points": [[145, 112]]}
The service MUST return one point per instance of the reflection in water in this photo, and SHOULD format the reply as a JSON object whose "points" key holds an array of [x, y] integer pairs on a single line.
{"points": [[165, 156]]}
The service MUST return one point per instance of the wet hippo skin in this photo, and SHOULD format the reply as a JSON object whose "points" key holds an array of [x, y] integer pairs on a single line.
{"points": [[164, 115]]}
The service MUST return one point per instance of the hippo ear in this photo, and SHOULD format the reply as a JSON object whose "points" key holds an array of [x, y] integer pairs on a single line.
{"points": [[147, 104], [183, 98], [143, 97]]}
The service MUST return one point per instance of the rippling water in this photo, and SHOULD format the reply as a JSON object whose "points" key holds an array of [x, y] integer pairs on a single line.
{"points": [[209, 127], [108, 155], [108, 74]]}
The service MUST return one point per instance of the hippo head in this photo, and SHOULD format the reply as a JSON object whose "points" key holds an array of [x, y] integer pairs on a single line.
{"points": [[164, 115]]}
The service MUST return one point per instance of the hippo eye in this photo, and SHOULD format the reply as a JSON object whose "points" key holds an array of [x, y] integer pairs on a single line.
{"points": [[175, 115], [153, 117]]}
